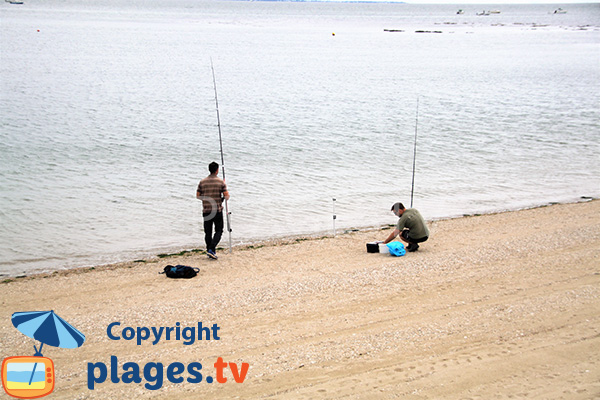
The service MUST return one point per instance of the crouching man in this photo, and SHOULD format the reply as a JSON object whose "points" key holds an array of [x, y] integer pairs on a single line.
{"points": [[411, 227]]}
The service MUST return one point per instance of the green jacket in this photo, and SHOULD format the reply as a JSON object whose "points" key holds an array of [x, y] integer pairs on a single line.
{"points": [[412, 219]]}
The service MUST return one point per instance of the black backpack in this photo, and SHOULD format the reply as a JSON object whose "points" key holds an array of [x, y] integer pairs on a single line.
{"points": [[180, 271]]}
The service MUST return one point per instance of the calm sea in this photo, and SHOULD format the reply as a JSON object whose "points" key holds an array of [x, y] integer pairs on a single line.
{"points": [[108, 118]]}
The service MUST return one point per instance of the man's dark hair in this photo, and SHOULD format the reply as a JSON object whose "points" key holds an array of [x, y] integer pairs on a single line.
{"points": [[213, 167], [397, 206]]}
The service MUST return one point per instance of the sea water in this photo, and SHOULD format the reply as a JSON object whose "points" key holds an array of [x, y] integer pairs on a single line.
{"points": [[108, 118]]}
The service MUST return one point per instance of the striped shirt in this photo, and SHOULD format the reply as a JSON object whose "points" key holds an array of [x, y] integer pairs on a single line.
{"points": [[210, 191]]}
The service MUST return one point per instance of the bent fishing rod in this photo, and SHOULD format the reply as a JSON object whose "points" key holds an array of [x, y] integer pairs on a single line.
{"points": [[227, 213], [412, 189]]}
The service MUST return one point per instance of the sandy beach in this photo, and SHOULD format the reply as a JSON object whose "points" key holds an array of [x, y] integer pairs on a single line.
{"points": [[495, 306]]}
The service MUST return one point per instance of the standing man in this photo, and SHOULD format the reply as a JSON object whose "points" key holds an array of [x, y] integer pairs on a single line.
{"points": [[212, 190], [411, 227]]}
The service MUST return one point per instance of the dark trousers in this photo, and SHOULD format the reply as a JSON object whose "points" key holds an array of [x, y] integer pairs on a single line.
{"points": [[216, 220], [406, 235]]}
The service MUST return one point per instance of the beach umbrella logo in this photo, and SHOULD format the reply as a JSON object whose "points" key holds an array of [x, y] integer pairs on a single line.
{"points": [[33, 377]]}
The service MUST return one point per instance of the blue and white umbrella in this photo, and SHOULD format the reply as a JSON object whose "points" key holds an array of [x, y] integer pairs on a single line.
{"points": [[48, 328]]}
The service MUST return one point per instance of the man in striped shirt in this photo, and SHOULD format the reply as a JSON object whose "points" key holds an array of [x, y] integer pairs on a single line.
{"points": [[212, 190]]}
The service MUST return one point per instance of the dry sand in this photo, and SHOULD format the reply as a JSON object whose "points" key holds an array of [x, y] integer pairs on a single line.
{"points": [[495, 306]]}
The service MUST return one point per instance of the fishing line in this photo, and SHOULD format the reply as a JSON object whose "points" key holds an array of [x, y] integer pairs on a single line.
{"points": [[412, 189], [227, 213]]}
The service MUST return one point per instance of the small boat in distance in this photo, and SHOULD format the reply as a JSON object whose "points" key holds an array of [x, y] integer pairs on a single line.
{"points": [[560, 11], [494, 11], [459, 12], [14, 1], [483, 13]]}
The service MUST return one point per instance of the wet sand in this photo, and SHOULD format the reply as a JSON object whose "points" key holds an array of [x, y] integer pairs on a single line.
{"points": [[495, 306]]}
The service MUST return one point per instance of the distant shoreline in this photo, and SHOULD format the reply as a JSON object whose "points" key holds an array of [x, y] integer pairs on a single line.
{"points": [[325, 1]]}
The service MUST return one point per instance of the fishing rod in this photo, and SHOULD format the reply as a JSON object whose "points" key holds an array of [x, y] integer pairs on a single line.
{"points": [[334, 217], [412, 189], [227, 213]]}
